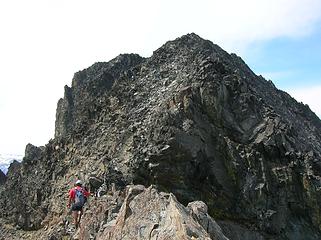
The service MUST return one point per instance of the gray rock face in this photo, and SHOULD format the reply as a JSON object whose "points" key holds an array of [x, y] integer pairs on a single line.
{"points": [[76, 110], [192, 120], [198, 210], [148, 214]]}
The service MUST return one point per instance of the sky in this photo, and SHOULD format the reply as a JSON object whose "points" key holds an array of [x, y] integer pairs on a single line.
{"points": [[44, 42]]}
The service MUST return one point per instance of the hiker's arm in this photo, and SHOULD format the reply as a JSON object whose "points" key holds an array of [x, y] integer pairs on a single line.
{"points": [[87, 194], [70, 197]]}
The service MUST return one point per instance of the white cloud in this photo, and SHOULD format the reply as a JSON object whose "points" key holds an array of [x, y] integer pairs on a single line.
{"points": [[310, 96], [236, 24], [44, 42]]}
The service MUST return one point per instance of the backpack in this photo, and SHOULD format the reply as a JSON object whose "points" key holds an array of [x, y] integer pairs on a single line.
{"points": [[79, 197]]}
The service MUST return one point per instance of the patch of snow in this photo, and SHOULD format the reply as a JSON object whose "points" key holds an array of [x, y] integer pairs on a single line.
{"points": [[7, 159]]}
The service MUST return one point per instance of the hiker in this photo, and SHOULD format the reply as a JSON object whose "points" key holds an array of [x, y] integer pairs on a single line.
{"points": [[77, 197]]}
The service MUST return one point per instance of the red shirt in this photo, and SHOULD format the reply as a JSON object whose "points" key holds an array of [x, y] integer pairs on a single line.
{"points": [[72, 192]]}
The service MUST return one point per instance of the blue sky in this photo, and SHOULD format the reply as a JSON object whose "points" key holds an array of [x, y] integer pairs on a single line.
{"points": [[44, 42], [289, 62], [293, 64]]}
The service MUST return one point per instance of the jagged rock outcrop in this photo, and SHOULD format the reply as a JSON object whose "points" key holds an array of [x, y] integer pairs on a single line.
{"points": [[148, 214], [192, 120], [26, 189], [77, 109]]}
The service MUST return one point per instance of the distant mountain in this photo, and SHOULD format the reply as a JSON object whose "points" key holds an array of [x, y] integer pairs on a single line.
{"points": [[6, 159]]}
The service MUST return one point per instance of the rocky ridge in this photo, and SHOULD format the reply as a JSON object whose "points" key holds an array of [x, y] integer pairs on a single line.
{"points": [[192, 120]]}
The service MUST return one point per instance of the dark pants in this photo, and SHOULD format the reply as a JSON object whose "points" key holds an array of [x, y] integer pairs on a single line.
{"points": [[76, 207]]}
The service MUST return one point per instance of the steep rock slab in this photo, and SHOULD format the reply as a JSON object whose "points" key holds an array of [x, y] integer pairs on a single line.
{"points": [[148, 214]]}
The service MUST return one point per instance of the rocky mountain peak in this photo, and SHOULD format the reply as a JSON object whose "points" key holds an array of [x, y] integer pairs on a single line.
{"points": [[191, 120], [192, 47]]}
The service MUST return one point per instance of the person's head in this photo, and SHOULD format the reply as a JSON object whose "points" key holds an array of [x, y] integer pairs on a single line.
{"points": [[78, 183]]}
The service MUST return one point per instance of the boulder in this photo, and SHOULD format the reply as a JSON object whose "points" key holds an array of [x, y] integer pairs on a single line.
{"points": [[149, 214]]}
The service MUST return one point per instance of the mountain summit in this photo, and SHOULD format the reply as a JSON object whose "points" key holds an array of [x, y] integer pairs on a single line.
{"points": [[191, 120]]}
